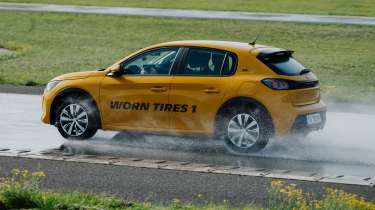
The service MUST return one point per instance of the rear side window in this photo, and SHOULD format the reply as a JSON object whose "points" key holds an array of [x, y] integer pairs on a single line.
{"points": [[283, 63], [208, 62]]}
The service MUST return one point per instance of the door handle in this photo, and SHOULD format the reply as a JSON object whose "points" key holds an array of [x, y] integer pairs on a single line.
{"points": [[211, 90], [158, 89]]}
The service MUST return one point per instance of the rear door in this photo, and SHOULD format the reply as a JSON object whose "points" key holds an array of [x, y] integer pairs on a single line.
{"points": [[198, 87]]}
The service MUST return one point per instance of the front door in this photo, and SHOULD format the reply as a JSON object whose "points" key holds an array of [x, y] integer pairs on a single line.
{"points": [[199, 87], [132, 101]]}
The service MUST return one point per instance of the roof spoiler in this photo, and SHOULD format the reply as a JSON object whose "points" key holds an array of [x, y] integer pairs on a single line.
{"points": [[270, 53]]}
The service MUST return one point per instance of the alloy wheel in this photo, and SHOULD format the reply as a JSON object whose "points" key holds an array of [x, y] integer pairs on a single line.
{"points": [[74, 119], [243, 130]]}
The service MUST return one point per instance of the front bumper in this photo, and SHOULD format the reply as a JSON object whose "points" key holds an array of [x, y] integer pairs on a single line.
{"points": [[47, 100], [45, 110]]}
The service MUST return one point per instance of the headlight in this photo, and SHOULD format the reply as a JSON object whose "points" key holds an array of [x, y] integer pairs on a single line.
{"points": [[51, 85]]}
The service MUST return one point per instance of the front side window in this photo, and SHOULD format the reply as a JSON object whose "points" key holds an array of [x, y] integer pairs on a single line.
{"points": [[203, 62], [153, 62]]}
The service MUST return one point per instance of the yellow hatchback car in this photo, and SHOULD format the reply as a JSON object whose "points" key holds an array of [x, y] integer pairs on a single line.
{"points": [[239, 92]]}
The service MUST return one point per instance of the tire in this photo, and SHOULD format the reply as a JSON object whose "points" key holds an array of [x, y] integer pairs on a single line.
{"points": [[251, 124], [76, 118]]}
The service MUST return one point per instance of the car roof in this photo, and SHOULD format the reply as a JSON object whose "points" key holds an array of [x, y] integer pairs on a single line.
{"points": [[230, 46], [223, 45]]}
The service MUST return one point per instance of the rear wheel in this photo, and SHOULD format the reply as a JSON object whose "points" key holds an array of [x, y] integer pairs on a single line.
{"points": [[245, 129], [76, 119]]}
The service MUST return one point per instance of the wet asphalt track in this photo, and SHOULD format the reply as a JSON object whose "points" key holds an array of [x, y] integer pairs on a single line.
{"points": [[345, 147]]}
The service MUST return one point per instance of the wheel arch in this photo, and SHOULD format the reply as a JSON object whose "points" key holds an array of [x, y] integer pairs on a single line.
{"points": [[68, 92], [241, 101]]}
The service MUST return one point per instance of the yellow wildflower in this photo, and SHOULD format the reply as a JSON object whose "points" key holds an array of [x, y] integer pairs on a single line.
{"points": [[16, 172], [38, 174]]}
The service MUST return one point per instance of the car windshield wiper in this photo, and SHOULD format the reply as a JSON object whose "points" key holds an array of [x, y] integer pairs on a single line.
{"points": [[304, 71]]}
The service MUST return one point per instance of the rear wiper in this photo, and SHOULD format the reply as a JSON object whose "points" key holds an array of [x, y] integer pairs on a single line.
{"points": [[304, 71]]}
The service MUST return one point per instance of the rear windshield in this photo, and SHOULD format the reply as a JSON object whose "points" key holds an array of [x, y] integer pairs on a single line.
{"points": [[283, 63]]}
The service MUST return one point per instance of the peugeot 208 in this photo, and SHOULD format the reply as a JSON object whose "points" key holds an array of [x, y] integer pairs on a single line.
{"points": [[241, 93]]}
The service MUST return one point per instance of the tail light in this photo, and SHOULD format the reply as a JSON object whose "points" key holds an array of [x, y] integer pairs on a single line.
{"points": [[284, 84]]}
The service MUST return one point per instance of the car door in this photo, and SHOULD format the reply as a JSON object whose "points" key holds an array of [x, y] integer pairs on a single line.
{"points": [[128, 101], [199, 85]]}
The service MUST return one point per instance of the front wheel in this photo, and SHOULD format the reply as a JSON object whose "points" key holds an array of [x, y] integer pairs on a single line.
{"points": [[76, 119], [246, 130]]}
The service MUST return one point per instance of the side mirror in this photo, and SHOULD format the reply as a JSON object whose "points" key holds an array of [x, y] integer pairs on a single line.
{"points": [[114, 74]]}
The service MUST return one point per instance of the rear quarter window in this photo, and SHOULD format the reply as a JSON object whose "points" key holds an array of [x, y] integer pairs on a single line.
{"points": [[229, 64]]}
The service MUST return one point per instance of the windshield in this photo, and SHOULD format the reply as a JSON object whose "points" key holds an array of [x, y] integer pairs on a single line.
{"points": [[283, 63]]}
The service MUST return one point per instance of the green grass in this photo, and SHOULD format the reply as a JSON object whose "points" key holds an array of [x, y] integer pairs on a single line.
{"points": [[91, 201], [51, 44], [330, 7], [21, 190]]}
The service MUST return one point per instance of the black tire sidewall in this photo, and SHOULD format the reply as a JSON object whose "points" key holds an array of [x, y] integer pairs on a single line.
{"points": [[92, 126], [264, 129]]}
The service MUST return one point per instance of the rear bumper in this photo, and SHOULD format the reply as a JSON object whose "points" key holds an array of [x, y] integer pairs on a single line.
{"points": [[300, 125], [292, 119]]}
